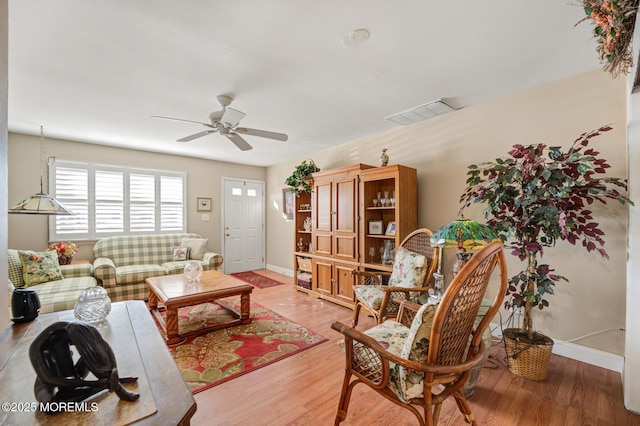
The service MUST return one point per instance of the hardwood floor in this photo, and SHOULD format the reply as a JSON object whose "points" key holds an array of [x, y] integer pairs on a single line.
{"points": [[304, 389]]}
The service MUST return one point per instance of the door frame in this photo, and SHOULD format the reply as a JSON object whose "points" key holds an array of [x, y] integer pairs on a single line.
{"points": [[223, 214]]}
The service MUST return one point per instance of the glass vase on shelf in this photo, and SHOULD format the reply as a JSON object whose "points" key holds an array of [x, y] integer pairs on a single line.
{"points": [[389, 253]]}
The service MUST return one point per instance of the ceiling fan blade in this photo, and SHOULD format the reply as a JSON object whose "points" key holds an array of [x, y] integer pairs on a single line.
{"points": [[261, 133], [181, 119], [240, 143], [196, 136], [232, 117]]}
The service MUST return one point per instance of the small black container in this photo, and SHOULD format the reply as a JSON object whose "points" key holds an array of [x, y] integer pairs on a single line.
{"points": [[25, 305]]}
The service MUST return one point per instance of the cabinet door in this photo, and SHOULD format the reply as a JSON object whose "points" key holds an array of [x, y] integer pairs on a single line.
{"points": [[323, 276], [346, 218], [344, 281], [323, 226]]}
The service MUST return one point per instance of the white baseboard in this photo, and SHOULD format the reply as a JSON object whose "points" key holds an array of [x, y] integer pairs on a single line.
{"points": [[580, 353], [283, 271]]}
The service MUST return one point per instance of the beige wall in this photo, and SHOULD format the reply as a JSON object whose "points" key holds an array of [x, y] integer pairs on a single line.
{"points": [[441, 149], [204, 179]]}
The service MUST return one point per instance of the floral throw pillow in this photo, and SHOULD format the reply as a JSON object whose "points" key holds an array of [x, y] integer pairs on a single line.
{"points": [[409, 269], [197, 247], [180, 253], [39, 267], [416, 348]]}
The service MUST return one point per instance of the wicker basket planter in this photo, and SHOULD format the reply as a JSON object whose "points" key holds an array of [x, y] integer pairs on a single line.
{"points": [[527, 359]]}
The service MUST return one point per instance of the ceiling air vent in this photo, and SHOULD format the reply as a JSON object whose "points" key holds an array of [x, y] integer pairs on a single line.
{"points": [[421, 112]]}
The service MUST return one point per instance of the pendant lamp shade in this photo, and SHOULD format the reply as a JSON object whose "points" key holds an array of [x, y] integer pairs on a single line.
{"points": [[40, 203]]}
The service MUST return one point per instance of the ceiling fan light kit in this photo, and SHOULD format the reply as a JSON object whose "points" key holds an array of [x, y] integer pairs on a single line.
{"points": [[225, 122]]}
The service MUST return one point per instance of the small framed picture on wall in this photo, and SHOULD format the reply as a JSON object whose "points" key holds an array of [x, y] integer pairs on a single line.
{"points": [[204, 204], [288, 203]]}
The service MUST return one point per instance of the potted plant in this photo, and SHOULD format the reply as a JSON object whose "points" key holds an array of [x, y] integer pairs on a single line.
{"points": [[299, 180], [535, 197]]}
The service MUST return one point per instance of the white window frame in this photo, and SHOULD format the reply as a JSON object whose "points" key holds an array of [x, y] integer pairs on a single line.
{"points": [[91, 168]]}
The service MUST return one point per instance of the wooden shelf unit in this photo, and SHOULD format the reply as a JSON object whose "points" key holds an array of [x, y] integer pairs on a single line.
{"points": [[341, 208], [394, 179], [302, 212]]}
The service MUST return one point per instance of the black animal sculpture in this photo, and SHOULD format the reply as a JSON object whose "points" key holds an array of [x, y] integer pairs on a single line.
{"points": [[59, 379]]}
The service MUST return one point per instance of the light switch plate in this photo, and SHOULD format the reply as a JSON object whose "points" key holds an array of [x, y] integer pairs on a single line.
{"points": [[205, 218]]}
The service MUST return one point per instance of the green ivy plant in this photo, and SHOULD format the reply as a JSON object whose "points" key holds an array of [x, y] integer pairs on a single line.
{"points": [[298, 182], [537, 196]]}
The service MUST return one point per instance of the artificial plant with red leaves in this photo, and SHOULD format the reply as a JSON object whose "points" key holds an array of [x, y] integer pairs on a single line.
{"points": [[536, 196]]}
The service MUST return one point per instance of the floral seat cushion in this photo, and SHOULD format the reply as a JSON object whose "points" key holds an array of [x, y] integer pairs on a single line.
{"points": [[408, 343], [370, 295], [409, 270], [391, 335]]}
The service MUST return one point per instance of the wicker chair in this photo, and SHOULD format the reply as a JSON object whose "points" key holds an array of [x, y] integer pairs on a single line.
{"points": [[383, 301], [406, 372]]}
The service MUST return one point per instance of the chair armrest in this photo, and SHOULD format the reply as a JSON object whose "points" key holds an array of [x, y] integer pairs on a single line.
{"points": [[407, 312], [105, 271], [367, 277]]}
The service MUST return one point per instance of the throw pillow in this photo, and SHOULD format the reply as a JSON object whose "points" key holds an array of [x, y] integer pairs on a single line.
{"points": [[416, 348], [409, 269], [180, 253], [197, 247], [39, 267]]}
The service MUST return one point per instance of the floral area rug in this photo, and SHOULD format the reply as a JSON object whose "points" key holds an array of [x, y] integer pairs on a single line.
{"points": [[219, 356], [256, 280]]}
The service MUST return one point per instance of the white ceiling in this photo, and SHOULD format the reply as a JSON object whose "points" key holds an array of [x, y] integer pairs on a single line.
{"points": [[95, 72]]}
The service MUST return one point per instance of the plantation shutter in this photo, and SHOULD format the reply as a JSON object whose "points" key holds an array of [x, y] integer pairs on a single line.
{"points": [[142, 202], [71, 188], [171, 203], [111, 200]]}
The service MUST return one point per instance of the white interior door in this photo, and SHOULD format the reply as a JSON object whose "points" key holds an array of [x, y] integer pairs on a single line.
{"points": [[243, 225]]}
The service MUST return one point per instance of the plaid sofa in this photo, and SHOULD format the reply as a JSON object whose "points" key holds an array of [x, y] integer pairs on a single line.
{"points": [[54, 295], [121, 264]]}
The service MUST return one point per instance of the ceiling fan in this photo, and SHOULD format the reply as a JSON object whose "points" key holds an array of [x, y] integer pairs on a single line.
{"points": [[225, 122]]}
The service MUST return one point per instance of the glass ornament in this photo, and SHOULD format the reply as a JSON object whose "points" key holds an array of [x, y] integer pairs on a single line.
{"points": [[193, 271], [93, 305]]}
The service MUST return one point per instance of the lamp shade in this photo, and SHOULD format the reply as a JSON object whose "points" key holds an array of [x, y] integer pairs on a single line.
{"points": [[40, 204], [464, 234]]}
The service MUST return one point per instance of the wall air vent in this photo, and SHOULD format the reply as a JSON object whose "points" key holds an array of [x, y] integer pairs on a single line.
{"points": [[421, 112]]}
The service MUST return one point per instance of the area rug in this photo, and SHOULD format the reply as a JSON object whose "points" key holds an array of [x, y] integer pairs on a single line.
{"points": [[256, 280], [219, 356]]}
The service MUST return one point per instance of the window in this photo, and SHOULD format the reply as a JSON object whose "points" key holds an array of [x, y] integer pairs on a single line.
{"points": [[110, 200]]}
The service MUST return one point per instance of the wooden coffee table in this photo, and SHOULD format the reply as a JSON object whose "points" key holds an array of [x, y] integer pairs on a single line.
{"points": [[140, 351], [174, 292]]}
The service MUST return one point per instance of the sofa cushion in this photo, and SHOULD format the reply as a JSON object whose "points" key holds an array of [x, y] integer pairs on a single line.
{"points": [[62, 295], [139, 249], [197, 247], [39, 267], [137, 273], [177, 267], [15, 268]]}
